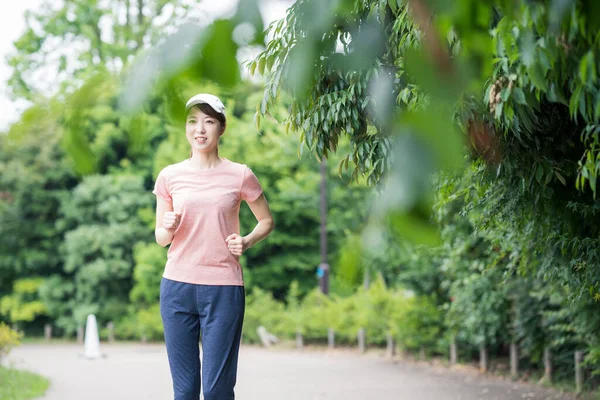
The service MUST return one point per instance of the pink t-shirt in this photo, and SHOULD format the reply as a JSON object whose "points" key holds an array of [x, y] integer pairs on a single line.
{"points": [[209, 203]]}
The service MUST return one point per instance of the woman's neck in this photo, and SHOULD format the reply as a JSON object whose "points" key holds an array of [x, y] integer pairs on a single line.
{"points": [[203, 161]]}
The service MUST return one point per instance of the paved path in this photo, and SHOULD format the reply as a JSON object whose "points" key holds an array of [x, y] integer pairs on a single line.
{"points": [[140, 372]]}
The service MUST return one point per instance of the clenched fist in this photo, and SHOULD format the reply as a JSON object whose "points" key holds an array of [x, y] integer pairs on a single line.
{"points": [[171, 220], [237, 244]]}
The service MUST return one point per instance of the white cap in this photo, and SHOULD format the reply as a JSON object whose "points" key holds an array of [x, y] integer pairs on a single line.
{"points": [[205, 98]]}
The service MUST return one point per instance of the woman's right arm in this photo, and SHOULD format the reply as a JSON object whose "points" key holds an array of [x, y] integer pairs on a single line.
{"points": [[164, 214]]}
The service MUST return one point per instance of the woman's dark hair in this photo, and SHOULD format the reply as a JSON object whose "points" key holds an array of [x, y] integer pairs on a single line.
{"points": [[208, 110]]}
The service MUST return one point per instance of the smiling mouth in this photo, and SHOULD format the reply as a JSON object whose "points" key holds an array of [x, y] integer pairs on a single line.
{"points": [[201, 139]]}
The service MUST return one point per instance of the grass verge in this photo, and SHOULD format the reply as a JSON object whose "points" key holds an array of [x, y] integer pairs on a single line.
{"points": [[21, 385]]}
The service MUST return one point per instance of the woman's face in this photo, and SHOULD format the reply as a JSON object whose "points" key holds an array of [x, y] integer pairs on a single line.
{"points": [[202, 131]]}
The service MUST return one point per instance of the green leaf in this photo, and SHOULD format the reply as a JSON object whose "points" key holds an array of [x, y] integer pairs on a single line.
{"points": [[257, 120], [527, 48], [574, 101], [543, 60], [587, 68], [519, 96], [412, 227], [582, 105], [270, 61], [178, 54], [537, 77], [559, 10], [583, 67], [539, 173], [429, 76], [560, 178], [449, 147], [220, 46], [263, 105], [248, 11], [498, 111], [393, 4], [549, 176]]}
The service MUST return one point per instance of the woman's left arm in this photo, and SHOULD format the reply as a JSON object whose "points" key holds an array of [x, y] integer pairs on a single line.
{"points": [[260, 208]]}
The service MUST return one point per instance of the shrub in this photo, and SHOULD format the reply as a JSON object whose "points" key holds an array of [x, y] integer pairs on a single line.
{"points": [[316, 314], [417, 323], [261, 309], [140, 322], [8, 339]]}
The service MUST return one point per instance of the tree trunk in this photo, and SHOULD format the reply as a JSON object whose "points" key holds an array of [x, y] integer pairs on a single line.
{"points": [[99, 44], [80, 334], [578, 371], [483, 358], [128, 16], [111, 332], [453, 351], [48, 332], [514, 360], [547, 364], [391, 348], [140, 28]]}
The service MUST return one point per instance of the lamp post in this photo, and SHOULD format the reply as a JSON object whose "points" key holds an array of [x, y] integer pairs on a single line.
{"points": [[323, 270]]}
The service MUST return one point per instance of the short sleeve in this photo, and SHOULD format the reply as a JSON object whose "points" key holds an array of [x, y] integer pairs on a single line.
{"points": [[251, 188], [161, 188]]}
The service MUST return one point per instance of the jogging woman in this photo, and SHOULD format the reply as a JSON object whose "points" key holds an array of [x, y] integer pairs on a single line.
{"points": [[202, 288]]}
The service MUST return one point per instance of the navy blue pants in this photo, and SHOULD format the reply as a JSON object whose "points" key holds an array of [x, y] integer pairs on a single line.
{"points": [[218, 312]]}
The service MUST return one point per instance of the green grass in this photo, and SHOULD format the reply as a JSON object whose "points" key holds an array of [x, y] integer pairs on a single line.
{"points": [[21, 385], [41, 340]]}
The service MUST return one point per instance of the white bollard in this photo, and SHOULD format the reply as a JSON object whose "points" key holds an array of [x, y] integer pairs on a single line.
{"points": [[330, 338], [92, 340]]}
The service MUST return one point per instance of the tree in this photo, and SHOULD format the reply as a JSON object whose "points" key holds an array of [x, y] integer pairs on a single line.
{"points": [[503, 273], [537, 72], [103, 220], [536, 126], [34, 178], [72, 37], [332, 60], [365, 70], [23, 304]]}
